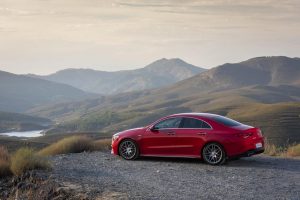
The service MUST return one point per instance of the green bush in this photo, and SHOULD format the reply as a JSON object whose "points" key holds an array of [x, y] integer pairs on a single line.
{"points": [[26, 159]]}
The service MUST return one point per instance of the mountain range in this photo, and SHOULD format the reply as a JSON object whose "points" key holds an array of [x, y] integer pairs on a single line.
{"points": [[160, 73], [19, 93], [263, 91]]}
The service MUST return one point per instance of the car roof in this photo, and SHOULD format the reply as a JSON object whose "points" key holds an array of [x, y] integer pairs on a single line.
{"points": [[194, 114]]}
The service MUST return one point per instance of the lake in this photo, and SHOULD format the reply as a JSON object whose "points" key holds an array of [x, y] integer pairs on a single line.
{"points": [[26, 134]]}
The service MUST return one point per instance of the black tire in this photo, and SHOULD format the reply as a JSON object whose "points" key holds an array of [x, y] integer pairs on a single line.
{"points": [[128, 149], [213, 154]]}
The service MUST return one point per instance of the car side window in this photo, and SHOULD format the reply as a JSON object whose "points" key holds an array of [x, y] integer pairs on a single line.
{"points": [[205, 125], [168, 123], [194, 123]]}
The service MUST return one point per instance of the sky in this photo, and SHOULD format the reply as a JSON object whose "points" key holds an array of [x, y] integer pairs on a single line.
{"points": [[44, 36]]}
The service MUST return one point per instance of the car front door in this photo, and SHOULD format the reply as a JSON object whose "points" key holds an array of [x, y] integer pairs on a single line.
{"points": [[161, 139]]}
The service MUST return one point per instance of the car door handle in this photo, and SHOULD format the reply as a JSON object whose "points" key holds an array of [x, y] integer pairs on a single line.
{"points": [[201, 133], [171, 133]]}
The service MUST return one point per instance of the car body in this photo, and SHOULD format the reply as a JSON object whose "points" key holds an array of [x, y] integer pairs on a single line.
{"points": [[190, 135]]}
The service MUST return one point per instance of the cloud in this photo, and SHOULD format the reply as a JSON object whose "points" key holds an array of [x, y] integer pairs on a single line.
{"points": [[220, 7], [131, 32]]}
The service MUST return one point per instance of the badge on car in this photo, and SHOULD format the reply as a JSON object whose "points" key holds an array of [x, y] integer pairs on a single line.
{"points": [[258, 145]]}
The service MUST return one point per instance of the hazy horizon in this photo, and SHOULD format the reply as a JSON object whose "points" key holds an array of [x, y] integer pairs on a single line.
{"points": [[42, 37]]}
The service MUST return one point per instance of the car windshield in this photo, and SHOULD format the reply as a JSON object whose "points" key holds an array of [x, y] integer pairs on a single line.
{"points": [[226, 121]]}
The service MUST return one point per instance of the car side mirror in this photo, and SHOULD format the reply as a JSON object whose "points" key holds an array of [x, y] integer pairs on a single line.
{"points": [[154, 129]]}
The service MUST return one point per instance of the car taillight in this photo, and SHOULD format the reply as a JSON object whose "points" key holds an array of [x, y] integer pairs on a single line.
{"points": [[244, 135], [259, 133]]}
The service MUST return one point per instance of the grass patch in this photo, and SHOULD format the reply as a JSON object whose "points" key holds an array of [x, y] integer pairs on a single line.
{"points": [[293, 151], [75, 144], [286, 151], [26, 159], [273, 150], [4, 162]]}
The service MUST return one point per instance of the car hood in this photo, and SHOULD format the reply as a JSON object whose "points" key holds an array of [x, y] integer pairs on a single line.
{"points": [[129, 130]]}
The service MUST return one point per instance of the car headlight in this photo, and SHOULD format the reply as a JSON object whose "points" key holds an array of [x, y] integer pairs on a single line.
{"points": [[115, 137]]}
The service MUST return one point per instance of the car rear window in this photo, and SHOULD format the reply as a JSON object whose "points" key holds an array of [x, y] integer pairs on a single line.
{"points": [[194, 123], [226, 121]]}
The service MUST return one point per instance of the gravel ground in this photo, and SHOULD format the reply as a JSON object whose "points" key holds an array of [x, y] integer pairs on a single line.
{"points": [[104, 176]]}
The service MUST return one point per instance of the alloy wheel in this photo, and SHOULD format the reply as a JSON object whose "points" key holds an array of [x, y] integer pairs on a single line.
{"points": [[213, 154], [128, 150]]}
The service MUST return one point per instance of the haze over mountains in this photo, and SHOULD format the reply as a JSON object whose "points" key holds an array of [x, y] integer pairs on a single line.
{"points": [[19, 93], [160, 73], [264, 73]]}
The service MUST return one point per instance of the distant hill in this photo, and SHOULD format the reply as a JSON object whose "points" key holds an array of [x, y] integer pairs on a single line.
{"points": [[160, 73], [263, 92], [19, 93], [20, 122], [277, 70]]}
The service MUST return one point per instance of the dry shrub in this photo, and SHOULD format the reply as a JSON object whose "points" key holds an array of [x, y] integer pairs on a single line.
{"points": [[102, 145], [26, 159], [293, 151], [4, 162], [73, 144], [273, 150]]}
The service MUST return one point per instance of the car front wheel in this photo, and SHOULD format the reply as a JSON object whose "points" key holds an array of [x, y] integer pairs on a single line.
{"points": [[128, 149], [213, 154]]}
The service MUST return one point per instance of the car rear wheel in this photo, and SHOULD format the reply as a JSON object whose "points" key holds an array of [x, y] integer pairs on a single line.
{"points": [[128, 149], [213, 154]]}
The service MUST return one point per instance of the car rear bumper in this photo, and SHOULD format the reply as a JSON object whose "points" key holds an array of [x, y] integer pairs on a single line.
{"points": [[250, 153]]}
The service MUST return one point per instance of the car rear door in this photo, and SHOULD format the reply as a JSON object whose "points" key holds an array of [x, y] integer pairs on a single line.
{"points": [[191, 136]]}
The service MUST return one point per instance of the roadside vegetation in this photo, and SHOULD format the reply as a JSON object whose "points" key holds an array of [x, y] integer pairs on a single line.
{"points": [[26, 159], [293, 151], [4, 162], [282, 151], [75, 144], [22, 160]]}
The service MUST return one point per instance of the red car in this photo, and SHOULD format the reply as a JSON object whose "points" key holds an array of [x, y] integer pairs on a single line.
{"points": [[213, 138]]}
